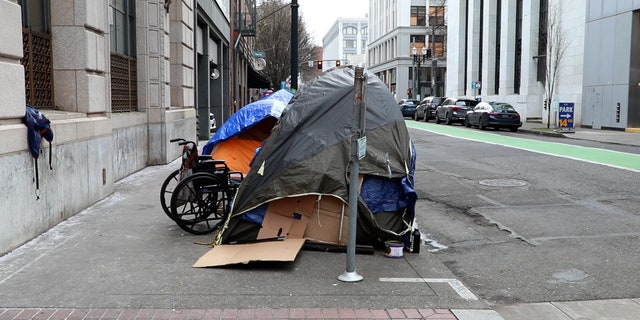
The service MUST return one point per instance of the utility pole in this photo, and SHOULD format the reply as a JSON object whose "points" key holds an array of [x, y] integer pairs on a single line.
{"points": [[294, 45]]}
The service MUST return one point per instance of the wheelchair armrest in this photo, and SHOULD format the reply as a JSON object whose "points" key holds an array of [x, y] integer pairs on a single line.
{"points": [[236, 176]]}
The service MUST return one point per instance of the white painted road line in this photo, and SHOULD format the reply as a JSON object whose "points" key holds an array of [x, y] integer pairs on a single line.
{"points": [[455, 284]]}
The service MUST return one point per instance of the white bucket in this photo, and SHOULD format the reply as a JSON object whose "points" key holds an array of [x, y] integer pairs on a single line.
{"points": [[394, 249]]}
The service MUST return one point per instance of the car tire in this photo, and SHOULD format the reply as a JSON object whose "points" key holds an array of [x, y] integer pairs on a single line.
{"points": [[514, 129]]}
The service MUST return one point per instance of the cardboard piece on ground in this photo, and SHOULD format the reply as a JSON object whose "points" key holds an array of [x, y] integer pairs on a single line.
{"points": [[226, 254]]}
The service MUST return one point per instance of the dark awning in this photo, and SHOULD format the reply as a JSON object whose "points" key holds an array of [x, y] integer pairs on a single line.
{"points": [[255, 80]]}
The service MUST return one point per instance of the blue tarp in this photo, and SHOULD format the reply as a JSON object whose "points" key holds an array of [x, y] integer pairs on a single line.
{"points": [[249, 115]]}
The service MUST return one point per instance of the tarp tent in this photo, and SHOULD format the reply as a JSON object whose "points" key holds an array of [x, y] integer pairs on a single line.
{"points": [[298, 184], [238, 138]]}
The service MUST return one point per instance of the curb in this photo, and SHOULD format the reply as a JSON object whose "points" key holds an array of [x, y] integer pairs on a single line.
{"points": [[542, 133]]}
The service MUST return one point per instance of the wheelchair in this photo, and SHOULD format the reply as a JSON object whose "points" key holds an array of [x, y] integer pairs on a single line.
{"points": [[201, 199]]}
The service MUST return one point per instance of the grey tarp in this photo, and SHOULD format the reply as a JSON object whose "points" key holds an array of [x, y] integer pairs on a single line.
{"points": [[308, 152]]}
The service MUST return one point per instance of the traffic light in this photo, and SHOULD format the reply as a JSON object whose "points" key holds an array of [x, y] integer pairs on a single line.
{"points": [[320, 64], [338, 63]]}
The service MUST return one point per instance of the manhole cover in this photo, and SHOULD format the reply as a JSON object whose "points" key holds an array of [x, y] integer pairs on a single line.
{"points": [[503, 183]]}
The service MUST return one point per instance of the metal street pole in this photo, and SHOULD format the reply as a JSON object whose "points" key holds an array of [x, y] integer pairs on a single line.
{"points": [[419, 94], [414, 52], [294, 45], [434, 63], [358, 144]]}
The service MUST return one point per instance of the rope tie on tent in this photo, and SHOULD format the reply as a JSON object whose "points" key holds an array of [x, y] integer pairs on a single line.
{"points": [[318, 209]]}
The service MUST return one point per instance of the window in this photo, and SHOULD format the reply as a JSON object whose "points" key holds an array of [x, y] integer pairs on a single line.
{"points": [[437, 46], [418, 41], [349, 30], [122, 27], [542, 41], [418, 15], [496, 70], [518, 53], [350, 44], [364, 30], [124, 94], [37, 61], [436, 16]]}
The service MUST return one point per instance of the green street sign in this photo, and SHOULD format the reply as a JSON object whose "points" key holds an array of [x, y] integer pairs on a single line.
{"points": [[259, 54]]}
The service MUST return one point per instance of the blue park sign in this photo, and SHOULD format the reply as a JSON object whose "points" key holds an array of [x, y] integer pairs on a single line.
{"points": [[565, 116]]}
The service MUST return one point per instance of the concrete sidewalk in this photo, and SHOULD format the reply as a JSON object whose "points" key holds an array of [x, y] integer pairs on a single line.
{"points": [[123, 258], [604, 136]]}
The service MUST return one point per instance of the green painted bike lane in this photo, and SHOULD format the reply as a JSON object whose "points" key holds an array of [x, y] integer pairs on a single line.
{"points": [[621, 160]]}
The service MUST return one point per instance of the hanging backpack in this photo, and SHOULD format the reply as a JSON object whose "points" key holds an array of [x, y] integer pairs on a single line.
{"points": [[38, 127]]}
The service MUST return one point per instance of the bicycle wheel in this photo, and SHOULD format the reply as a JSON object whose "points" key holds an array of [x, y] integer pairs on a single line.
{"points": [[166, 191], [199, 203]]}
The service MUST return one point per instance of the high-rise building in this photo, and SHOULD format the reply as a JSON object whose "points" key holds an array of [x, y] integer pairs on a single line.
{"points": [[345, 43], [407, 46]]}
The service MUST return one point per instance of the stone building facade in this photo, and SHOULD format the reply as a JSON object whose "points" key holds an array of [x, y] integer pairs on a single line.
{"points": [[116, 80]]}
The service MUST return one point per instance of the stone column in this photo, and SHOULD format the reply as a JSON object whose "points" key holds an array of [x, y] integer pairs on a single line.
{"points": [[182, 54], [473, 47], [153, 51], [489, 47], [507, 47], [12, 92], [80, 55]]}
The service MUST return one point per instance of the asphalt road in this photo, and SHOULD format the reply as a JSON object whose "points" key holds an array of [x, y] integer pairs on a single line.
{"points": [[521, 219]]}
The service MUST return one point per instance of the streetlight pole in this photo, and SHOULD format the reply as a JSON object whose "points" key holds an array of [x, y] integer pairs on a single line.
{"points": [[418, 59]]}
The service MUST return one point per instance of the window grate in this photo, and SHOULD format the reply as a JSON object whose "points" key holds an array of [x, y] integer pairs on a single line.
{"points": [[124, 92], [38, 72]]}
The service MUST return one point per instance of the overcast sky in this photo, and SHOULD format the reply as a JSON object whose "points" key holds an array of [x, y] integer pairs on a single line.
{"points": [[320, 15]]}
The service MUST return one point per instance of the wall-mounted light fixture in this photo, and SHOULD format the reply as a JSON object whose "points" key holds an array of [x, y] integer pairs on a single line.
{"points": [[215, 74]]}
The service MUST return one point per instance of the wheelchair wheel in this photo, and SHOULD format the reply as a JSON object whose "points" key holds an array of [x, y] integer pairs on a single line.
{"points": [[166, 191], [199, 203]]}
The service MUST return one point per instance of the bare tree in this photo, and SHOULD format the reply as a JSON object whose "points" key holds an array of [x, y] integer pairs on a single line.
{"points": [[557, 44], [274, 38]]}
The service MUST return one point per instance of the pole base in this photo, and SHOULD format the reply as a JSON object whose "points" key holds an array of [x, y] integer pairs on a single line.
{"points": [[350, 277]]}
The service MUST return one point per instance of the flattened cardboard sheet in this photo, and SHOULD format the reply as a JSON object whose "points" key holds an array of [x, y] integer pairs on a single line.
{"points": [[226, 254]]}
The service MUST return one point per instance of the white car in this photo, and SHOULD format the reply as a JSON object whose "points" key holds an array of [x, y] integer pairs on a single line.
{"points": [[212, 122]]}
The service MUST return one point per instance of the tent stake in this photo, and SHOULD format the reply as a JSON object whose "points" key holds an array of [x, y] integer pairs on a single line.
{"points": [[357, 131]]}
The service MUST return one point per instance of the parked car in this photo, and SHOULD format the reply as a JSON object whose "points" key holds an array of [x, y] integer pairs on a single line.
{"points": [[454, 110], [414, 101], [493, 114], [427, 108], [408, 109]]}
